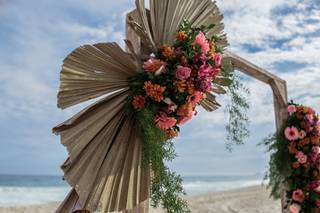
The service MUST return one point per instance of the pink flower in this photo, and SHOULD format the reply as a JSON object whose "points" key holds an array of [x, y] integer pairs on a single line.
{"points": [[164, 122], [183, 73], [207, 71], [202, 41], [172, 107], [291, 109], [302, 134], [310, 118], [313, 157], [314, 185], [154, 65], [298, 195], [295, 208], [217, 59], [186, 119], [316, 150], [301, 157], [195, 98], [291, 133], [205, 85]]}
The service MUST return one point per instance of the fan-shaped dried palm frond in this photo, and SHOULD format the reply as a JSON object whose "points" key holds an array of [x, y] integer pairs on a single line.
{"points": [[165, 17], [94, 70], [105, 155]]}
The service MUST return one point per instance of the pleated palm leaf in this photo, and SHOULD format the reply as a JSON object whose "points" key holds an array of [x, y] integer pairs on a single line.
{"points": [[105, 166]]}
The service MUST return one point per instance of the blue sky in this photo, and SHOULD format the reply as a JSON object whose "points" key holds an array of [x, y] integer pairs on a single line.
{"points": [[35, 36]]}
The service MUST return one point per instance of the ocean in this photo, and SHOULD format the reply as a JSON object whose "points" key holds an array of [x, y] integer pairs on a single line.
{"points": [[27, 189]]}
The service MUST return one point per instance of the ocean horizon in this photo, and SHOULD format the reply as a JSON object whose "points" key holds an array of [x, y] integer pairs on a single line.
{"points": [[16, 190]]}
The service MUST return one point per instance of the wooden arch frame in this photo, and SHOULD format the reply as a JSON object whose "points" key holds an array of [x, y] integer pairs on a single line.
{"points": [[278, 86]]}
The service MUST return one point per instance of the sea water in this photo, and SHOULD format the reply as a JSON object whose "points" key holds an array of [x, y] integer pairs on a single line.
{"points": [[28, 190]]}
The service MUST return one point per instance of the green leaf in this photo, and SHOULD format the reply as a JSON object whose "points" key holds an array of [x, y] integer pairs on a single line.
{"points": [[223, 81]]}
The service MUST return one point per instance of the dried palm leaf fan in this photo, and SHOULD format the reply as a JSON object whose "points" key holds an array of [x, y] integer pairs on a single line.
{"points": [[105, 165]]}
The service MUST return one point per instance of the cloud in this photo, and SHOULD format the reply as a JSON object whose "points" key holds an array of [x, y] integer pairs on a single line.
{"points": [[279, 35]]}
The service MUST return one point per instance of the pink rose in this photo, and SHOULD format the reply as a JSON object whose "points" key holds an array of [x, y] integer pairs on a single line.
{"points": [[195, 98], [164, 122], [218, 60], [301, 157], [186, 119], [295, 208], [314, 185], [183, 73], [291, 109], [298, 195], [316, 150], [317, 189], [302, 134], [202, 41], [291, 133]]}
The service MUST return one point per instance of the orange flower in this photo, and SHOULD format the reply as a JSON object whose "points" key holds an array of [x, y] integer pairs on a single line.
{"points": [[212, 51], [315, 140], [292, 148], [138, 102], [306, 166], [168, 52], [154, 91], [295, 165], [183, 60], [190, 87], [180, 85], [185, 109], [181, 36], [170, 133], [300, 108]]}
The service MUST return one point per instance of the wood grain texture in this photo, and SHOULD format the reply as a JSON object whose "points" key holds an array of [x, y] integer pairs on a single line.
{"points": [[279, 89]]}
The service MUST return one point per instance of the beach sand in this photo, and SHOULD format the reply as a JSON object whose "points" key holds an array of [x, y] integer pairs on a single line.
{"points": [[247, 200]]}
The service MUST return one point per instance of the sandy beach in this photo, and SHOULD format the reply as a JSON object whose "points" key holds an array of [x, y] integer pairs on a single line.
{"points": [[247, 200]]}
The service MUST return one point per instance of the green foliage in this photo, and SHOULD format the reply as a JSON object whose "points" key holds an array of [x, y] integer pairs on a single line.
{"points": [[286, 171], [237, 109], [166, 185], [278, 170]]}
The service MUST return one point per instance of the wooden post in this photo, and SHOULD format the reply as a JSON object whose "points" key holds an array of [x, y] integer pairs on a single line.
{"points": [[279, 89], [278, 86]]}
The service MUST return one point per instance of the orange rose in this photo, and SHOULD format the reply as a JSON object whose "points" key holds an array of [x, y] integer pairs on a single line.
{"points": [[185, 109], [296, 165]]}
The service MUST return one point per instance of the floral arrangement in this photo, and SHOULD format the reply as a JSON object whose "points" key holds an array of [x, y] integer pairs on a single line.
{"points": [[177, 79], [165, 96], [298, 144]]}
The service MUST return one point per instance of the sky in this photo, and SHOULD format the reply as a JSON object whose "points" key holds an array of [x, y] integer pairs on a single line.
{"points": [[279, 35]]}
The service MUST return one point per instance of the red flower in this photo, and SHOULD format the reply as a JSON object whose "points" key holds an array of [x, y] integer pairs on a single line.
{"points": [[298, 195], [138, 102], [164, 122]]}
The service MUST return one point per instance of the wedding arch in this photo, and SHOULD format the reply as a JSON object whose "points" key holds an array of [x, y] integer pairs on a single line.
{"points": [[278, 85], [174, 63]]}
